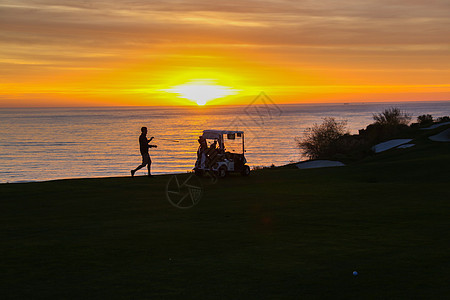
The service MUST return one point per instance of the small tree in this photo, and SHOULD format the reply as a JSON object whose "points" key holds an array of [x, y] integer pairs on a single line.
{"points": [[425, 119], [443, 119], [320, 140], [392, 117], [388, 124]]}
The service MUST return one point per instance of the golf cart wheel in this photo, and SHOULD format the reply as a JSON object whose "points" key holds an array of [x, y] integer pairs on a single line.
{"points": [[222, 172], [246, 171]]}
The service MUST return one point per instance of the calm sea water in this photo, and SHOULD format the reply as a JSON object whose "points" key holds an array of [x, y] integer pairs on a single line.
{"points": [[51, 143]]}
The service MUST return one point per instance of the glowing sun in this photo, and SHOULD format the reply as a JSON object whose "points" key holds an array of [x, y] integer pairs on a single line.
{"points": [[201, 91]]}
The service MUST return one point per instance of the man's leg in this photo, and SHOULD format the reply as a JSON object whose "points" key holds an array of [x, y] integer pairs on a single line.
{"points": [[144, 162], [203, 161], [138, 168], [149, 166]]}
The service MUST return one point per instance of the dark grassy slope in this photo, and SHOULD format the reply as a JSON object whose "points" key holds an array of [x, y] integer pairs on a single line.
{"points": [[281, 233]]}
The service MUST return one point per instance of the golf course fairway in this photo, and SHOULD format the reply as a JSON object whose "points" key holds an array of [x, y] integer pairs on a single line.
{"points": [[281, 233]]}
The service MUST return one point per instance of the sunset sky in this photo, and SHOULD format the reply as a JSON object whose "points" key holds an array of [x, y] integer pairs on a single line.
{"points": [[82, 53]]}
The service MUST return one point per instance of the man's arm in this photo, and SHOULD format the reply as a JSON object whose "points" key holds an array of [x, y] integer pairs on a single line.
{"points": [[151, 146]]}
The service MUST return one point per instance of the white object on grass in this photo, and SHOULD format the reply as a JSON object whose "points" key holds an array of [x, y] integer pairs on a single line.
{"points": [[404, 146], [311, 164], [435, 126], [443, 136], [389, 145]]}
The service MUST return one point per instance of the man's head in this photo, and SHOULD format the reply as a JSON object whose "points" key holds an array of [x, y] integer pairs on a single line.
{"points": [[144, 130]]}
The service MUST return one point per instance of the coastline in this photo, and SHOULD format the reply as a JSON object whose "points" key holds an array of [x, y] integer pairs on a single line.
{"points": [[429, 132]]}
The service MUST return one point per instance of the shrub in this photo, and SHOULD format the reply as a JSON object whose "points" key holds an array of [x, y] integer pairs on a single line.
{"points": [[388, 124], [254, 168], [320, 140], [425, 119], [350, 147], [392, 116], [443, 119], [376, 133]]}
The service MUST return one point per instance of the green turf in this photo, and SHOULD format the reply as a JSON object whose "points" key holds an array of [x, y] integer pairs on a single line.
{"points": [[281, 233]]}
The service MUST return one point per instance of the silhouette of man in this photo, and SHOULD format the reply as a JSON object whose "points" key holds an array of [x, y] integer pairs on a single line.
{"points": [[211, 154], [201, 155], [143, 145]]}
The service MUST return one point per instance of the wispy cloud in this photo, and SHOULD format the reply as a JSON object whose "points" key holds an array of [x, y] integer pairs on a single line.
{"points": [[288, 35]]}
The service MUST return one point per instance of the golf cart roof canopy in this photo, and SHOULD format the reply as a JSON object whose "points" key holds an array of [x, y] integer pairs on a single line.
{"points": [[212, 134]]}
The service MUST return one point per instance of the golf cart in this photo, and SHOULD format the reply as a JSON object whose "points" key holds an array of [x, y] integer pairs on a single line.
{"points": [[221, 152]]}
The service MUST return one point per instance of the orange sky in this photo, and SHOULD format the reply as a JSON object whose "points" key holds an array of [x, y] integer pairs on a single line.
{"points": [[69, 53]]}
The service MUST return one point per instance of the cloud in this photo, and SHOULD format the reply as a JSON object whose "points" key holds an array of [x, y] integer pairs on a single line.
{"points": [[51, 36], [313, 17]]}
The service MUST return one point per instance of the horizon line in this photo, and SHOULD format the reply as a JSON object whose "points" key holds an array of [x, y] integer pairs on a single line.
{"points": [[224, 105]]}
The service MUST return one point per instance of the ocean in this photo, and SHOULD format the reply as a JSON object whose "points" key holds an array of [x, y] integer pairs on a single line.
{"points": [[38, 144]]}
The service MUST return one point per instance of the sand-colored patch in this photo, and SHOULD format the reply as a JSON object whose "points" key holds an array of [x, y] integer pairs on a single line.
{"points": [[443, 136], [435, 126], [389, 145], [319, 164], [404, 146]]}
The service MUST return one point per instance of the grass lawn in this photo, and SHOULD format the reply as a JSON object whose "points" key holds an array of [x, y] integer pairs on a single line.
{"points": [[280, 233]]}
